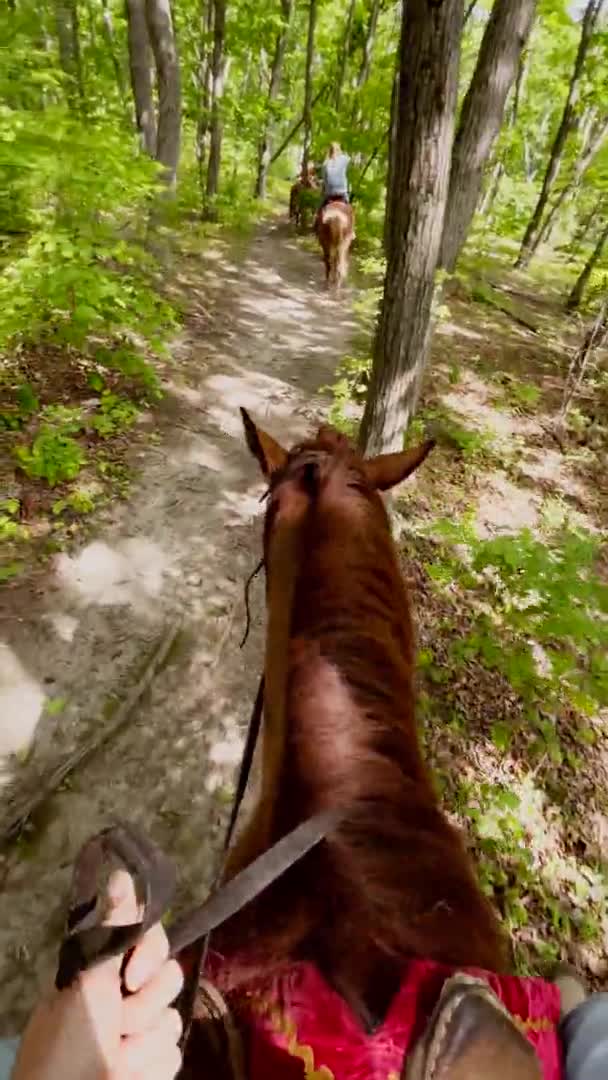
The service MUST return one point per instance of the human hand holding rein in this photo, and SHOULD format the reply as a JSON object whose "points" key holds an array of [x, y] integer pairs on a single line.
{"points": [[90, 1032]]}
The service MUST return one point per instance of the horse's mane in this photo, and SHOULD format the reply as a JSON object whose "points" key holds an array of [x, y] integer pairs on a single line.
{"points": [[395, 880]]}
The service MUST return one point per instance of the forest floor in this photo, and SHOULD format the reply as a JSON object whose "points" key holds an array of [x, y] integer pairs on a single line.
{"points": [[165, 569]]}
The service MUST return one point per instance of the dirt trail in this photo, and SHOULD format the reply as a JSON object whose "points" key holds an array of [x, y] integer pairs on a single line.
{"points": [[262, 334]]}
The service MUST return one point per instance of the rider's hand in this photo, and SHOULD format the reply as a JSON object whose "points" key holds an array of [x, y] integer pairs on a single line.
{"points": [[90, 1032]]}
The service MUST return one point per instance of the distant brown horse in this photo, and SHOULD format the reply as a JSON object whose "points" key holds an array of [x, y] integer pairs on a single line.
{"points": [[395, 881], [335, 229], [306, 182]]}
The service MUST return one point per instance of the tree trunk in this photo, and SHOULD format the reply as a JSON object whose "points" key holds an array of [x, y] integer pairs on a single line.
{"points": [[594, 339], [298, 124], [567, 123], [140, 67], [310, 50], [426, 101], [108, 29], [68, 38], [470, 9], [368, 44], [481, 116], [162, 40], [218, 75], [344, 54], [276, 72], [583, 227], [580, 284], [595, 138], [499, 170], [204, 93]]}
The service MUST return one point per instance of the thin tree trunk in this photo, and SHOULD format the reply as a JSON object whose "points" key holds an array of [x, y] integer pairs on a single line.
{"points": [[491, 191], [594, 339], [481, 116], [567, 123], [582, 229], [580, 284], [204, 92], [296, 127], [368, 44], [276, 72], [218, 72], [594, 142], [68, 38], [344, 54], [470, 9], [108, 29], [140, 67], [162, 40], [310, 50], [426, 102]]}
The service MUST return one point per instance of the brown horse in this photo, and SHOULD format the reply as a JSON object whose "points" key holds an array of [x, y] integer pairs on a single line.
{"points": [[394, 881], [306, 182], [335, 229]]}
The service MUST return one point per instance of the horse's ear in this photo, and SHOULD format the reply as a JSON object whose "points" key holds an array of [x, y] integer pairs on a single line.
{"points": [[267, 450], [386, 470]]}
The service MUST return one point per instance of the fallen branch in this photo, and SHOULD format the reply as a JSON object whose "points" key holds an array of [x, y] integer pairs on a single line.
{"points": [[21, 808]]}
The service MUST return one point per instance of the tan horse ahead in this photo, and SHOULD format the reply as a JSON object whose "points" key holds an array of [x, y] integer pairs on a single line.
{"points": [[335, 229]]}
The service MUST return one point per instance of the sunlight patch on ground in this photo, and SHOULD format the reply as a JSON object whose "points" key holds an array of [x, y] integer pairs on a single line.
{"points": [[64, 625], [548, 467], [471, 401], [505, 508], [450, 329], [228, 751], [131, 573], [21, 703], [240, 508], [199, 451]]}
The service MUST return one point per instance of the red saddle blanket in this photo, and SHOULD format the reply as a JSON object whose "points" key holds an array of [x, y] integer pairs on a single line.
{"points": [[298, 1028]]}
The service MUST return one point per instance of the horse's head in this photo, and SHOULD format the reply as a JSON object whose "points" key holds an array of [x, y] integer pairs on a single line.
{"points": [[327, 471]]}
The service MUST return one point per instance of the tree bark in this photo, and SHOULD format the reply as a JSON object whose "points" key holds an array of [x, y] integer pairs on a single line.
{"points": [[108, 29], [204, 92], [580, 284], [218, 77], [162, 40], [368, 44], [594, 339], [140, 67], [298, 124], [596, 136], [70, 58], [344, 54], [429, 54], [481, 116], [310, 50], [276, 72], [566, 125], [499, 169], [391, 191]]}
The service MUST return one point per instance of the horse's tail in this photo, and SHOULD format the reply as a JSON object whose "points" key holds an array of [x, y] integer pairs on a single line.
{"points": [[337, 226]]}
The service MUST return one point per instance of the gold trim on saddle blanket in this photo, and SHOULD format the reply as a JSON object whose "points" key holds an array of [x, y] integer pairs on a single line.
{"points": [[285, 1025]]}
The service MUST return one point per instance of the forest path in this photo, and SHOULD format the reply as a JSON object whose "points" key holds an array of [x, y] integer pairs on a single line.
{"points": [[260, 333]]}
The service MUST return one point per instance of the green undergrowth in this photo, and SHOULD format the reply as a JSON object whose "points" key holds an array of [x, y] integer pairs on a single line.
{"points": [[526, 635]]}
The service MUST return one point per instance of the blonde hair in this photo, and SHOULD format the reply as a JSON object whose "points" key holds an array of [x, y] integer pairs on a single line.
{"points": [[334, 149]]}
